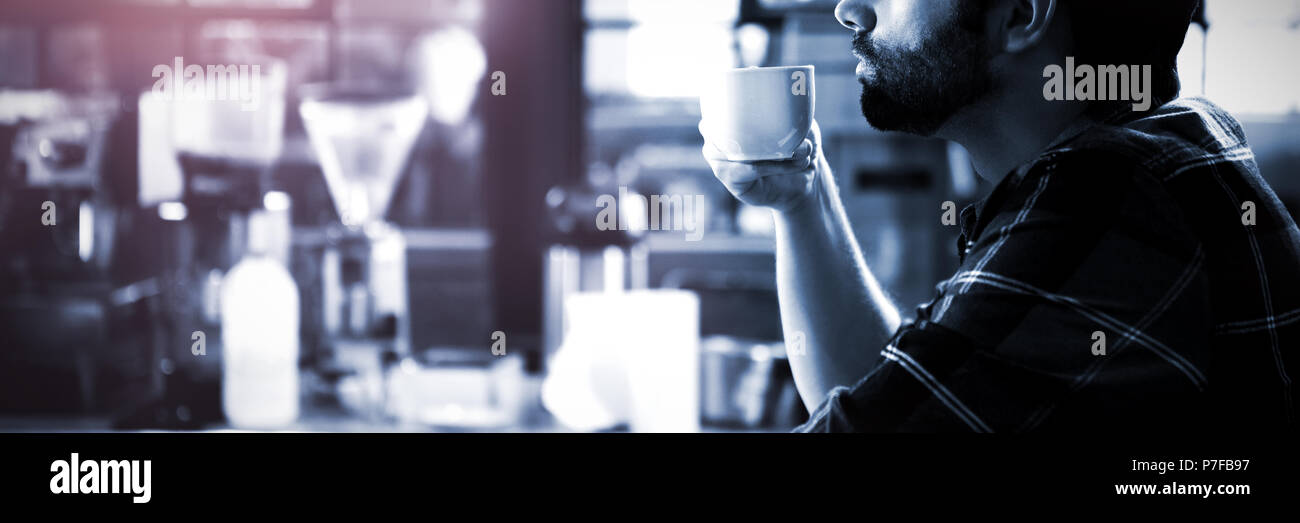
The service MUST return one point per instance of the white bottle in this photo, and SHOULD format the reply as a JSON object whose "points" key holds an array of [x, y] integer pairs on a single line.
{"points": [[259, 324]]}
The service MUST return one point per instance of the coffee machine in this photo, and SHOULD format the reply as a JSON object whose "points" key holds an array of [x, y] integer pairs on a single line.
{"points": [[60, 312], [362, 138]]}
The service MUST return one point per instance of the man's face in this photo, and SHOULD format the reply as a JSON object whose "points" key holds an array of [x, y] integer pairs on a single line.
{"points": [[920, 61]]}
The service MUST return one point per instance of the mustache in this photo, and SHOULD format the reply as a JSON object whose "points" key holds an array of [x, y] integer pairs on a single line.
{"points": [[864, 47]]}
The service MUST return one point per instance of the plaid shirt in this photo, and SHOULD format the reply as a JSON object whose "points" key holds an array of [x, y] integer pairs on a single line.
{"points": [[1135, 236]]}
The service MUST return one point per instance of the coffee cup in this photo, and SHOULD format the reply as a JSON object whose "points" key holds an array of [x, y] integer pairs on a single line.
{"points": [[758, 113]]}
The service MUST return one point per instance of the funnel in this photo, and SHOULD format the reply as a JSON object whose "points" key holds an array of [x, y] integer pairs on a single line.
{"points": [[362, 139]]}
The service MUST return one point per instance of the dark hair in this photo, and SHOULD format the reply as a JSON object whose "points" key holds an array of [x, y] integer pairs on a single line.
{"points": [[1126, 32]]}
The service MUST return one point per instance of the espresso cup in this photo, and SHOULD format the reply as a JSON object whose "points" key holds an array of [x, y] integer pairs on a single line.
{"points": [[758, 113]]}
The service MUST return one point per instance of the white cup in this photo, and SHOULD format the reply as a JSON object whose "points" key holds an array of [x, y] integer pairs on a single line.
{"points": [[758, 113]]}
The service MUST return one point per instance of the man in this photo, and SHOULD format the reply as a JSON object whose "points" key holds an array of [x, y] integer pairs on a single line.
{"points": [[1130, 270]]}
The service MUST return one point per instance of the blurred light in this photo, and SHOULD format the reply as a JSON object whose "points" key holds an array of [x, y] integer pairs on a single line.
{"points": [[753, 220], [753, 41], [210, 295], [17, 105], [172, 211], [675, 11], [668, 60], [449, 64], [159, 173], [86, 231], [657, 48], [633, 211], [410, 366], [276, 201], [555, 196], [246, 121], [613, 263], [628, 357]]}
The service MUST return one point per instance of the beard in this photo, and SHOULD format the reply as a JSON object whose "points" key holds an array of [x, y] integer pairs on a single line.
{"points": [[917, 91]]}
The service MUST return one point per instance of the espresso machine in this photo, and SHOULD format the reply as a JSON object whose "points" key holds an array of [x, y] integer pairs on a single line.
{"points": [[362, 138], [60, 316]]}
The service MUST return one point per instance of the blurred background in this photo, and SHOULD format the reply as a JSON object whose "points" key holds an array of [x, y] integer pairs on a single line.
{"points": [[381, 215]]}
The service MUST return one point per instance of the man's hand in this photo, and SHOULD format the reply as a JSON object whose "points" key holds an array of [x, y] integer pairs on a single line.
{"points": [[781, 185], [825, 289]]}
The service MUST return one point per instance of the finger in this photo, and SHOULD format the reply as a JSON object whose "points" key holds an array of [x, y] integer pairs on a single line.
{"points": [[805, 150], [736, 173], [733, 174], [777, 168], [750, 171], [801, 159], [712, 153]]}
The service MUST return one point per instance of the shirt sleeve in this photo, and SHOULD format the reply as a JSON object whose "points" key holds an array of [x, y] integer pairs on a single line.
{"points": [[1082, 305]]}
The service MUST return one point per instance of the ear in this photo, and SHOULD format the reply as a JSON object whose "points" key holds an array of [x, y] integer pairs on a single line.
{"points": [[1024, 23]]}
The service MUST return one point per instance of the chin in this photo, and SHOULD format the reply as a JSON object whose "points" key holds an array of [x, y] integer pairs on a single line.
{"points": [[888, 120], [885, 114]]}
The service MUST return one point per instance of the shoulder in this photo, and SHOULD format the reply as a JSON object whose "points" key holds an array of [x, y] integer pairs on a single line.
{"points": [[1184, 132], [1094, 191], [1088, 181]]}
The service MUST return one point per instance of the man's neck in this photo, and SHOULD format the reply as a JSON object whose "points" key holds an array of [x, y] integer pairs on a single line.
{"points": [[1002, 136]]}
